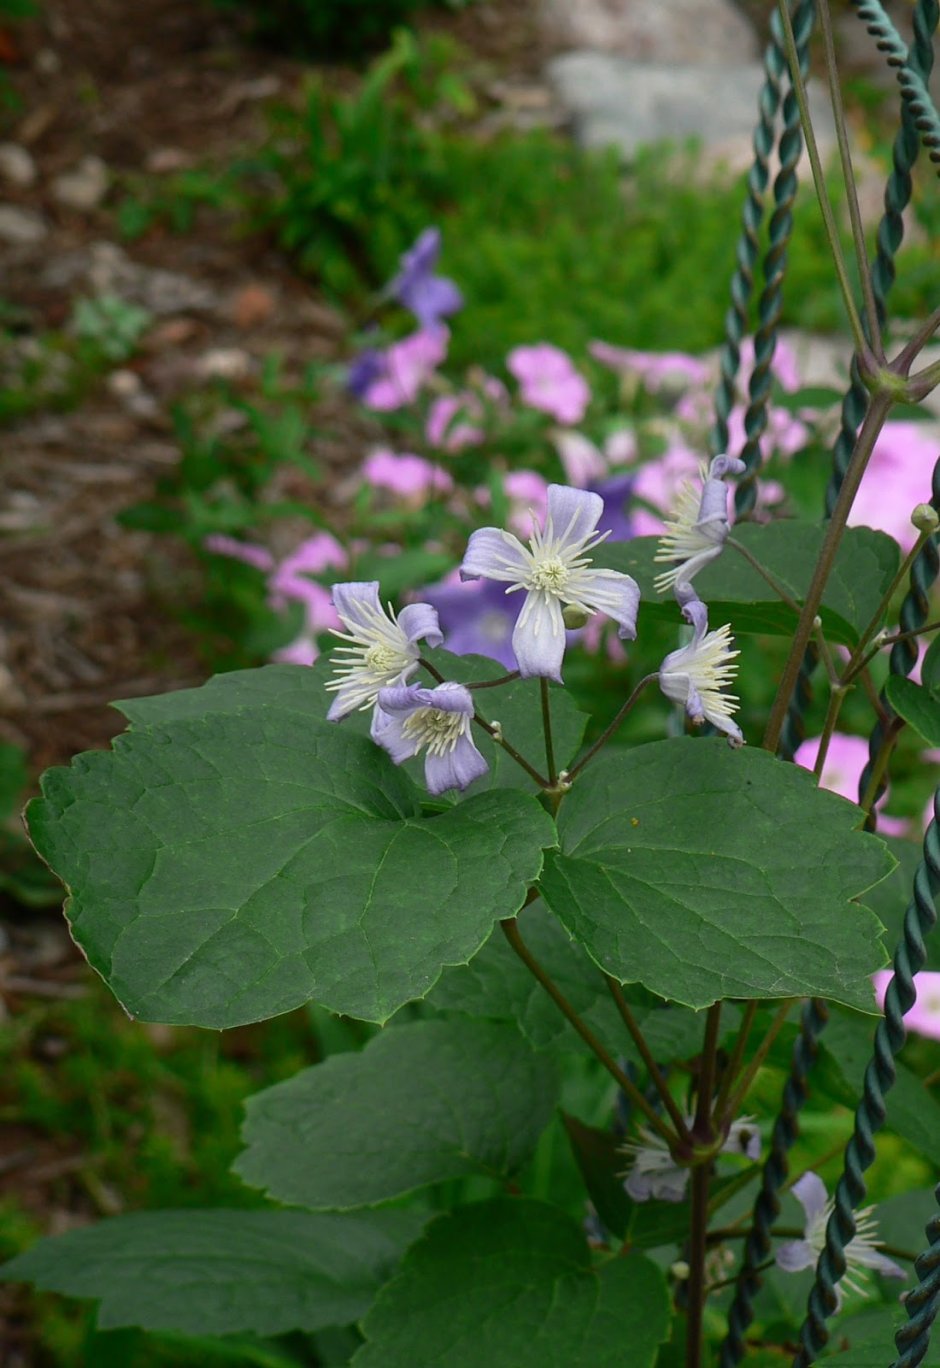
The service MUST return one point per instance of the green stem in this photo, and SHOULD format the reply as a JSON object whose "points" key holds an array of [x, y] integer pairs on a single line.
{"points": [[760, 1054], [702, 1125], [880, 767], [608, 732], [924, 382], [848, 177], [497, 736], [888, 641], [698, 1249], [547, 729], [493, 683], [734, 1063], [836, 699], [902, 363], [652, 1068], [885, 602], [822, 194], [877, 412], [511, 931]]}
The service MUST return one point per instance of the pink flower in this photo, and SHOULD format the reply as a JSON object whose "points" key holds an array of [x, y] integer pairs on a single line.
{"points": [[659, 483], [784, 366], [845, 760], [405, 368], [303, 651], [657, 370], [549, 382], [408, 476], [924, 1016], [447, 425], [897, 479], [311, 557], [586, 463], [248, 552], [528, 500]]}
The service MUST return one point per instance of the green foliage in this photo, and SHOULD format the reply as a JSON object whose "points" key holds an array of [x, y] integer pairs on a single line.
{"points": [[481, 1099], [919, 706], [226, 893], [705, 873], [110, 326], [223, 1272], [505, 1283]]}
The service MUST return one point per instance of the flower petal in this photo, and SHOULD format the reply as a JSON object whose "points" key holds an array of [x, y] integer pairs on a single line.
{"points": [[795, 1255], [386, 731], [457, 768], [494, 554], [539, 637], [357, 603], [574, 513], [617, 595], [810, 1191], [419, 622]]}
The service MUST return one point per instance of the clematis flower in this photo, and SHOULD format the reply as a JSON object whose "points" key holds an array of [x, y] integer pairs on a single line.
{"points": [[548, 381], [410, 719], [405, 368], [430, 297], [409, 476], [695, 674], [382, 649], [554, 571], [924, 1017], [860, 1253], [699, 528], [654, 1173]]}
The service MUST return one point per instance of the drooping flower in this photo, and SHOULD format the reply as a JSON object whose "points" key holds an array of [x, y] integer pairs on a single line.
{"points": [[699, 527], [555, 571], [654, 1173], [405, 368], [860, 1252], [409, 476], [549, 382], [430, 297], [410, 719], [924, 1017], [695, 674], [382, 648]]}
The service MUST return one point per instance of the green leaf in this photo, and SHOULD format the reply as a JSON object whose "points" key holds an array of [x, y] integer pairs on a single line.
{"points": [[509, 1284], [706, 873], [600, 1157], [930, 665], [234, 857], [845, 1051], [890, 899], [736, 593], [223, 1272], [420, 1104], [918, 706]]}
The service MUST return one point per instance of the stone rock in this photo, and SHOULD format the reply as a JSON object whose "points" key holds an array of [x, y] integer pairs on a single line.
{"points": [[615, 102], [16, 164], [21, 227], [84, 187], [105, 268], [223, 363], [704, 32]]}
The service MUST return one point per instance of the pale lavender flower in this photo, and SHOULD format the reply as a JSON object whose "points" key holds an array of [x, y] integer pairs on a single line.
{"points": [[860, 1252], [695, 674], [555, 571], [410, 719], [406, 367], [699, 527], [924, 1016], [548, 381], [616, 493], [382, 648], [654, 1173], [363, 372], [430, 297]]}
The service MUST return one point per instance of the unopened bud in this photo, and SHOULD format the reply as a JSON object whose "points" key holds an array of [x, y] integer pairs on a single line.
{"points": [[680, 1270], [925, 518], [575, 617]]}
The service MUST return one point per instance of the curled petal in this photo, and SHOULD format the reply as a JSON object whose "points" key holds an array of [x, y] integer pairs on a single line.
{"points": [[494, 554], [458, 768], [539, 637], [725, 465], [386, 731], [419, 622]]}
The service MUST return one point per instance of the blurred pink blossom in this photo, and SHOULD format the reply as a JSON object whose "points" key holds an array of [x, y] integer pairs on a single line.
{"points": [[407, 475], [314, 555], [248, 552], [303, 651], [528, 497], [447, 426], [924, 1016], [584, 463], [548, 381], [784, 366], [897, 479], [657, 370], [405, 368], [845, 760]]}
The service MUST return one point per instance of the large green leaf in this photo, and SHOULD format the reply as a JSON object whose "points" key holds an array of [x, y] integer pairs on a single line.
{"points": [[919, 707], [421, 1103], [223, 1272], [706, 873], [736, 592], [509, 1284], [235, 856]]}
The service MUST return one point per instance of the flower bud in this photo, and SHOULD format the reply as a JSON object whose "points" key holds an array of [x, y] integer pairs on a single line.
{"points": [[925, 518], [575, 617]]}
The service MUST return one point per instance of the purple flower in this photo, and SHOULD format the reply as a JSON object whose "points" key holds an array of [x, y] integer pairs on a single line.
{"points": [[477, 618], [860, 1253], [548, 381], [695, 674], [382, 649], [410, 719], [363, 372], [429, 297], [554, 571], [654, 1173], [615, 521], [405, 368], [699, 528]]}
